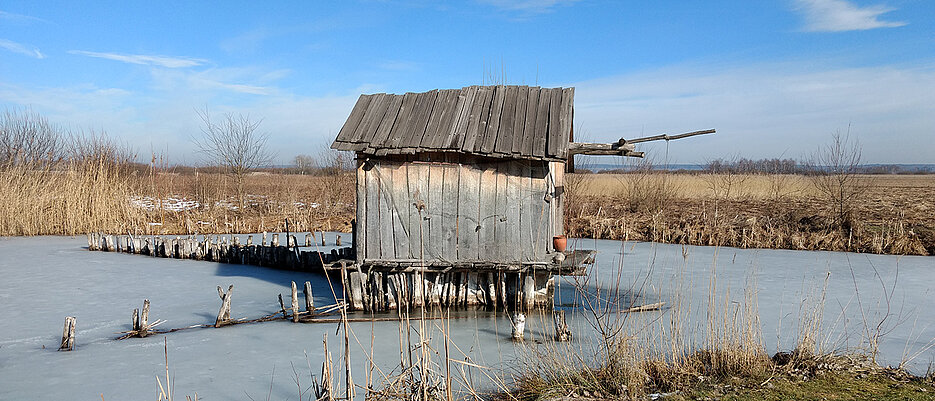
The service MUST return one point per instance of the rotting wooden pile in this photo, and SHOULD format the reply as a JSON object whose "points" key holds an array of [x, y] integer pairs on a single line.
{"points": [[365, 288], [223, 249]]}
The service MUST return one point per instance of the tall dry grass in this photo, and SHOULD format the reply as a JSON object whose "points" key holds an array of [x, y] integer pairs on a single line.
{"points": [[86, 190]]}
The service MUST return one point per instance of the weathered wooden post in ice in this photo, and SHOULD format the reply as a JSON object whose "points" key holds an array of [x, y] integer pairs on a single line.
{"points": [[295, 304], [561, 328], [275, 240], [264, 239], [224, 315], [68, 334], [308, 239], [309, 302], [519, 326], [337, 241]]}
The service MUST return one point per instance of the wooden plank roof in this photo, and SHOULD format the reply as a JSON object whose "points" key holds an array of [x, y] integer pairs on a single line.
{"points": [[504, 121]]}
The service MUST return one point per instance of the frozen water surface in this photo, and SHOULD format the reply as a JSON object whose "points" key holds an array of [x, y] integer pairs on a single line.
{"points": [[45, 279]]}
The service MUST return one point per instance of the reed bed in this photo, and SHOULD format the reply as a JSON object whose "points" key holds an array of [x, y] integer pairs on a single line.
{"points": [[892, 216]]}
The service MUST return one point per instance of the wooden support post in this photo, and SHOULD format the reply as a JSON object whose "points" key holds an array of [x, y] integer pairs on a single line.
{"points": [[264, 239], [136, 319], [337, 240], [309, 301], [561, 328], [295, 304], [68, 334], [282, 306], [236, 241], [144, 319], [224, 315], [275, 240], [249, 240], [308, 239], [529, 291], [519, 326], [322, 233]]}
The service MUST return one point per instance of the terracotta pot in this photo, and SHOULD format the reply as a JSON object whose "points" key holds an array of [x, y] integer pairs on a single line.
{"points": [[559, 242]]}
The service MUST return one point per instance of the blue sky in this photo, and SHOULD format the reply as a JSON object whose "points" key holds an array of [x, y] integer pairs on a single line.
{"points": [[776, 78]]}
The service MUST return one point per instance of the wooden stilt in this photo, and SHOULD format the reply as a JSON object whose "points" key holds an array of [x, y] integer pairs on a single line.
{"points": [[68, 334], [309, 301], [295, 303], [561, 328], [224, 314], [519, 326], [337, 241], [275, 240]]}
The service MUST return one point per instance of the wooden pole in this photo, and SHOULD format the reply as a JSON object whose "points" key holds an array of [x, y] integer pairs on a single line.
{"points": [[309, 301], [144, 318], [224, 315], [561, 328], [308, 239], [136, 319], [337, 240], [275, 240], [295, 304], [68, 334], [519, 326]]}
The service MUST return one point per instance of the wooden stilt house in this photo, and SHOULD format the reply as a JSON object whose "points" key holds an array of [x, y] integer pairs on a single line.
{"points": [[466, 181]]}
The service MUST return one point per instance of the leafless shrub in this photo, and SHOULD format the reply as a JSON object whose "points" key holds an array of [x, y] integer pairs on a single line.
{"points": [[28, 139], [834, 170]]}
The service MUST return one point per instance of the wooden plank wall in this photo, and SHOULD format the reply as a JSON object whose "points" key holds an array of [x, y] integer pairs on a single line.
{"points": [[455, 208]]}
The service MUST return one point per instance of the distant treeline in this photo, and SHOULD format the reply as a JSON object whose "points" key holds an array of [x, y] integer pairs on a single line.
{"points": [[755, 166]]}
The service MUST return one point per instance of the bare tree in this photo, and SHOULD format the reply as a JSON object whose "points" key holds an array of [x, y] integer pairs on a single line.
{"points": [[834, 170], [304, 164], [234, 144]]}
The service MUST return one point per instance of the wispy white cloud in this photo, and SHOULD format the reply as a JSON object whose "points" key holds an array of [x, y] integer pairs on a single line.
{"points": [[161, 61], [842, 15], [766, 110], [528, 6], [5, 15], [21, 49]]}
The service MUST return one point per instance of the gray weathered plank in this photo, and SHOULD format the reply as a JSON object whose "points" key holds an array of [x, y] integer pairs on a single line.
{"points": [[463, 112], [361, 240], [542, 124], [399, 196], [418, 180], [477, 123], [434, 209], [514, 201], [402, 121], [528, 218], [387, 214], [493, 122], [507, 116], [389, 120], [448, 121], [372, 229], [430, 137], [350, 126], [567, 119], [372, 118], [468, 211], [419, 119], [501, 222], [450, 193], [519, 120], [487, 245], [555, 137], [529, 131]]}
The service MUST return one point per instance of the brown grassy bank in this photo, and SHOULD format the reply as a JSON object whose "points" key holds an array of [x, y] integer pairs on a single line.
{"points": [[895, 214]]}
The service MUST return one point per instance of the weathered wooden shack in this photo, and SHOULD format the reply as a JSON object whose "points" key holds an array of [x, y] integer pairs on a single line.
{"points": [[468, 177], [466, 181]]}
